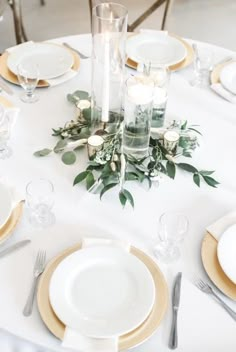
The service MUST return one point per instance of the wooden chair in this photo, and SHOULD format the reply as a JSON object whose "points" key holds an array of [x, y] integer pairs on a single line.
{"points": [[147, 13], [18, 20]]}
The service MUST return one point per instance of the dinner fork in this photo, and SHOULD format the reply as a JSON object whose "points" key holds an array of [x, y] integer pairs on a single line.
{"points": [[37, 271], [203, 286], [82, 56]]}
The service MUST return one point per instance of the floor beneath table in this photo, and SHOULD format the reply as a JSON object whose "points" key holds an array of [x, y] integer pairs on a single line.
{"points": [[207, 20]]}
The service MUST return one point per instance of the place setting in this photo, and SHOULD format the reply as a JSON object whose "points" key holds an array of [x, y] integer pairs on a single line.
{"points": [[37, 64]]}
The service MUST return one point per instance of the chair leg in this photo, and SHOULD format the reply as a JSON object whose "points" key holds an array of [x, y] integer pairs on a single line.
{"points": [[147, 13], [16, 9], [166, 13], [42, 2]]}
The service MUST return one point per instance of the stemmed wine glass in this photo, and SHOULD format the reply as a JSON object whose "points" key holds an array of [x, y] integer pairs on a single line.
{"points": [[172, 228], [28, 76]]}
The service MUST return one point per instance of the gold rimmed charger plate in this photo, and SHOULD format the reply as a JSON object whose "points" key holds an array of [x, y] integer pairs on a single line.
{"points": [[7, 230], [12, 78], [212, 266], [184, 63], [135, 337], [215, 74]]}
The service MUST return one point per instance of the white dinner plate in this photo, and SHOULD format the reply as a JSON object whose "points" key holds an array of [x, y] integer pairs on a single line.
{"points": [[102, 291], [226, 252], [159, 49], [52, 60], [228, 77], [5, 204]]}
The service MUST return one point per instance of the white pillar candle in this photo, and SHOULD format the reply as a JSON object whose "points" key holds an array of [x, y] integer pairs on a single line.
{"points": [[140, 94], [106, 79]]}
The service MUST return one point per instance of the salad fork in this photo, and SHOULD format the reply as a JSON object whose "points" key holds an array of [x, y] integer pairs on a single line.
{"points": [[82, 56], [203, 286], [37, 271]]}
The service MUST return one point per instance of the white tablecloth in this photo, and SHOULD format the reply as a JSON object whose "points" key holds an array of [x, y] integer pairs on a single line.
{"points": [[203, 325]]}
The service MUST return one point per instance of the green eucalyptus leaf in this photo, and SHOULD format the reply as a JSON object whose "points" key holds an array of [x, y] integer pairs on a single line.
{"points": [[42, 152], [128, 196], [87, 114], [194, 129], [72, 99], [90, 180], [106, 188], [211, 181], [82, 94], [206, 172], [196, 179], [80, 177], [184, 125], [187, 167], [60, 146], [68, 158], [122, 198], [187, 154], [171, 169], [131, 176]]}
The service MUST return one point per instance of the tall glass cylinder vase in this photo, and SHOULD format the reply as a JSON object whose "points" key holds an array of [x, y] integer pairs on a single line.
{"points": [[109, 28]]}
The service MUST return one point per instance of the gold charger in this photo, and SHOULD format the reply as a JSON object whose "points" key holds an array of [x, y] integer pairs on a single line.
{"points": [[9, 227], [215, 74], [184, 63], [135, 337], [12, 78], [212, 266]]}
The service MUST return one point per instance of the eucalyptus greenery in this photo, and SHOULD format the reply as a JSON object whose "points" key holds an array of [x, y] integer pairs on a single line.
{"points": [[111, 168]]}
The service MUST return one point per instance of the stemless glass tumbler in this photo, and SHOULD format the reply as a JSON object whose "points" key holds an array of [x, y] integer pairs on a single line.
{"points": [[27, 73], [40, 200], [5, 129], [139, 92], [109, 27], [172, 228]]}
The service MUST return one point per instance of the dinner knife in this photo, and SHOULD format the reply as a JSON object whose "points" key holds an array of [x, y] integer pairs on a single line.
{"points": [[5, 87], [173, 342], [14, 247]]}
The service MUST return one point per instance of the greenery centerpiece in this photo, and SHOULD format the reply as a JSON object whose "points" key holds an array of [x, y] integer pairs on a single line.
{"points": [[110, 167]]}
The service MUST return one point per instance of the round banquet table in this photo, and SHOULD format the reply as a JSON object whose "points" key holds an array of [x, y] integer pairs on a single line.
{"points": [[203, 324]]}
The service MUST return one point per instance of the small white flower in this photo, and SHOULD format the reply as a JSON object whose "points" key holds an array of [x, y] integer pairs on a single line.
{"points": [[83, 104]]}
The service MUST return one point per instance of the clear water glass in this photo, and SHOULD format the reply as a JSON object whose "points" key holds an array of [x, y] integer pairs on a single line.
{"points": [[5, 130], [39, 201], [203, 62], [172, 228], [28, 76], [138, 104], [161, 77]]}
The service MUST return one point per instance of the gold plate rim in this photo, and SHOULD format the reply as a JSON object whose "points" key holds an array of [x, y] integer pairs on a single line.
{"points": [[12, 78], [135, 337], [6, 231], [215, 74], [213, 269], [182, 64]]}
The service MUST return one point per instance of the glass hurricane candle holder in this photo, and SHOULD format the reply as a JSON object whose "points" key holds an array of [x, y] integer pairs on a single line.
{"points": [[139, 92], [109, 27]]}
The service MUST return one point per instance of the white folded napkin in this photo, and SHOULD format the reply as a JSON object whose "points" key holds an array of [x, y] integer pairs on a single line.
{"points": [[224, 93], [53, 81], [217, 228], [75, 340]]}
